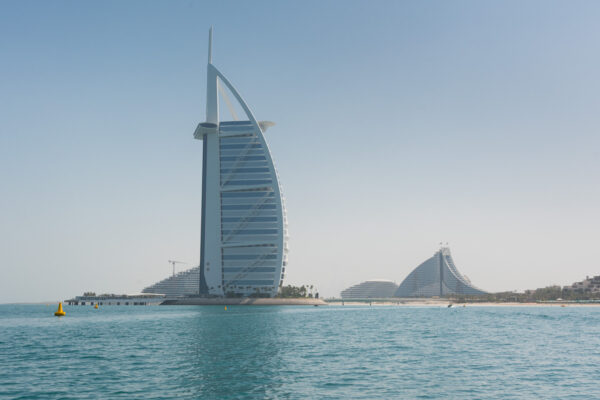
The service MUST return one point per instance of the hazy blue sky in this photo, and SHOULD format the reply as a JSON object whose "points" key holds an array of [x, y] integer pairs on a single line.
{"points": [[399, 125]]}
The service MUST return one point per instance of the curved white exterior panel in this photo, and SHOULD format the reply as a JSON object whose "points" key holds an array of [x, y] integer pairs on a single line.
{"points": [[243, 239]]}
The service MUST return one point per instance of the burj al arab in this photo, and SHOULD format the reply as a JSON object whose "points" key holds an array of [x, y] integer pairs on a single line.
{"points": [[243, 248]]}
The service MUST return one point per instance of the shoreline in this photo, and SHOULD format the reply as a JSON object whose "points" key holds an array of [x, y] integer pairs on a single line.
{"points": [[244, 301], [446, 303], [340, 303]]}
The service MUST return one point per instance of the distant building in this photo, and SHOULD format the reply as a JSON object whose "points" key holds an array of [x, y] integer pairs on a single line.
{"points": [[375, 289], [184, 283], [589, 285], [437, 276]]}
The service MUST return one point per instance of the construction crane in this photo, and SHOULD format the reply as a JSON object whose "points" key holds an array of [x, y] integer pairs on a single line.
{"points": [[173, 262]]}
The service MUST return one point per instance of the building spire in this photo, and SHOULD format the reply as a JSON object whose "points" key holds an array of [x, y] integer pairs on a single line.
{"points": [[210, 45], [212, 99]]}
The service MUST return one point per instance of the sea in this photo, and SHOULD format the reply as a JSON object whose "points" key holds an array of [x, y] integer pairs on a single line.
{"points": [[299, 352]]}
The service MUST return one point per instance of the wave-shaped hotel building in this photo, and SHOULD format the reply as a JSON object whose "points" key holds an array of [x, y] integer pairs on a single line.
{"points": [[435, 277]]}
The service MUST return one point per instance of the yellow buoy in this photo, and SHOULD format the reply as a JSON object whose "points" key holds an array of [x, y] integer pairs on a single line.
{"points": [[96, 306], [225, 308], [60, 312]]}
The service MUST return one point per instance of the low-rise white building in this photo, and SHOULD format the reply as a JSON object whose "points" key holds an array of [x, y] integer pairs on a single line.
{"points": [[373, 289]]}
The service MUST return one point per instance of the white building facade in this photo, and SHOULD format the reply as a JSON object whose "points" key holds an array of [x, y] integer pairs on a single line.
{"points": [[437, 276], [373, 289], [184, 283], [243, 249]]}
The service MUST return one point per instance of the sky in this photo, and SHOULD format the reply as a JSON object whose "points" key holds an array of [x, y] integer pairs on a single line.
{"points": [[400, 125]]}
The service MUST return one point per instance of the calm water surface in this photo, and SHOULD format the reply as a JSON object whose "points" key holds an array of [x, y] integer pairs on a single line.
{"points": [[291, 352]]}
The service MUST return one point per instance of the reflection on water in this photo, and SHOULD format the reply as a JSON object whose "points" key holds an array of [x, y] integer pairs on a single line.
{"points": [[299, 352], [235, 351]]}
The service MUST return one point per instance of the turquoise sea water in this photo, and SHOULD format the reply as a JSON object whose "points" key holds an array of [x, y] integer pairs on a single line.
{"points": [[332, 352]]}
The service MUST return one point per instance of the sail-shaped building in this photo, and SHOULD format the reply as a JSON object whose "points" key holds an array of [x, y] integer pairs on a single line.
{"points": [[243, 249], [437, 276]]}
